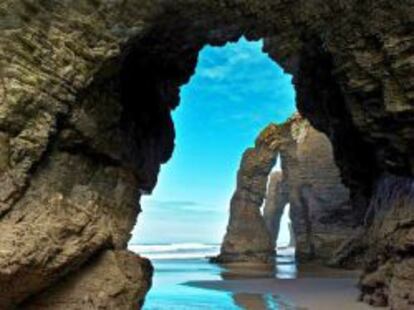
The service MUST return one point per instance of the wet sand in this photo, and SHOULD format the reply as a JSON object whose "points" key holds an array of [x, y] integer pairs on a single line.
{"points": [[302, 293], [312, 287]]}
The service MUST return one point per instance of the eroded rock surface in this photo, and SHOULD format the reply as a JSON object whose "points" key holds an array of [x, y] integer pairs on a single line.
{"points": [[320, 207], [92, 84], [389, 270], [111, 280], [247, 238]]}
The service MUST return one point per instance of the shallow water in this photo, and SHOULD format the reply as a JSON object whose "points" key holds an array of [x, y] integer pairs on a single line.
{"points": [[169, 292], [172, 290]]}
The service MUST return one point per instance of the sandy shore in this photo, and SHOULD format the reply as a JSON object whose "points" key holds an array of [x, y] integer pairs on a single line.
{"points": [[304, 293]]}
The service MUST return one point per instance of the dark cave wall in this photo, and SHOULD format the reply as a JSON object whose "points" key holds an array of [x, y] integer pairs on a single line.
{"points": [[388, 277], [316, 83], [91, 84]]}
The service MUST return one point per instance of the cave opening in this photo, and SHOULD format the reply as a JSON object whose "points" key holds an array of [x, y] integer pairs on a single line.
{"points": [[235, 92], [277, 216], [285, 235], [276, 211], [286, 247]]}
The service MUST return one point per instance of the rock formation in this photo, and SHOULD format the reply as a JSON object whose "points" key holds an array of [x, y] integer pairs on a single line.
{"points": [[389, 276], [319, 203], [320, 208], [86, 91], [112, 280], [247, 238]]}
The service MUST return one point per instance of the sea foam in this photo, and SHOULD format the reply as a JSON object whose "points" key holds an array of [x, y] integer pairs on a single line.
{"points": [[176, 250]]}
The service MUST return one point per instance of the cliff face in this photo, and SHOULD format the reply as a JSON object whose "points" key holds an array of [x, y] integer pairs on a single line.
{"points": [[69, 202], [86, 90]]}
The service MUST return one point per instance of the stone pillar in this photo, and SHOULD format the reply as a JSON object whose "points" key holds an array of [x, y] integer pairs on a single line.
{"points": [[247, 238]]}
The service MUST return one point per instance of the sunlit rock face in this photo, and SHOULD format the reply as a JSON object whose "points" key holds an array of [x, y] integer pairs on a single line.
{"points": [[86, 91], [111, 280]]}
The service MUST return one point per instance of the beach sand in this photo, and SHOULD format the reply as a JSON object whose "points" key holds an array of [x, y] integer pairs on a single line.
{"points": [[303, 293], [315, 289]]}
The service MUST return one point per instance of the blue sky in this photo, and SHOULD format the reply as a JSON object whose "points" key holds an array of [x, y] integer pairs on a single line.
{"points": [[236, 91]]}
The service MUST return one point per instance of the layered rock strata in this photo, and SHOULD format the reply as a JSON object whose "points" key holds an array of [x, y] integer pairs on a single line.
{"points": [[92, 84]]}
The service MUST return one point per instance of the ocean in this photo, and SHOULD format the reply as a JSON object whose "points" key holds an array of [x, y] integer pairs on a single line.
{"points": [[176, 250], [179, 266]]}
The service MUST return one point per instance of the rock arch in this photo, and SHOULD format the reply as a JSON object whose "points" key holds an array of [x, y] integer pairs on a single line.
{"points": [[320, 209], [76, 153]]}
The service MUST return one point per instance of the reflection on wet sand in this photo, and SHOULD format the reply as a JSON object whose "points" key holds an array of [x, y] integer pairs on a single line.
{"points": [[284, 267], [281, 286], [249, 301], [242, 271]]}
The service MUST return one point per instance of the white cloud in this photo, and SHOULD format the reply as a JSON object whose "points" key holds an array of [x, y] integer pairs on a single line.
{"points": [[179, 205], [225, 63], [218, 72]]}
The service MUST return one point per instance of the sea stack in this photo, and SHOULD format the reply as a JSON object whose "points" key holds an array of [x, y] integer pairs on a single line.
{"points": [[247, 238], [309, 181]]}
